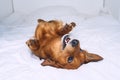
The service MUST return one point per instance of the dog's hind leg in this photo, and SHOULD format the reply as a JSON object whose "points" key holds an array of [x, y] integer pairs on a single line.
{"points": [[33, 44]]}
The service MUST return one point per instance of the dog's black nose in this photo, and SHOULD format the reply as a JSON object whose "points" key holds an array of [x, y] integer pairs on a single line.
{"points": [[74, 42]]}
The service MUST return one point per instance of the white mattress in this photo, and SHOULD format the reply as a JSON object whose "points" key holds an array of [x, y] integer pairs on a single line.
{"points": [[98, 34]]}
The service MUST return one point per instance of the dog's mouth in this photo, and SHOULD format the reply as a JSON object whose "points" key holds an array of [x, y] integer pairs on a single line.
{"points": [[65, 40]]}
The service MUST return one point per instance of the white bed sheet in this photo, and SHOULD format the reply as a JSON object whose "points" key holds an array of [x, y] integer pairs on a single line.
{"points": [[100, 35]]}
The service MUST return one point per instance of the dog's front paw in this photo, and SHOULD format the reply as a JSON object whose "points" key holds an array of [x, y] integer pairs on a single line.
{"points": [[72, 24], [33, 44], [68, 27]]}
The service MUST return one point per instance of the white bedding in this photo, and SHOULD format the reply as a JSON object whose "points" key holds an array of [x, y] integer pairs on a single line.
{"points": [[99, 34]]}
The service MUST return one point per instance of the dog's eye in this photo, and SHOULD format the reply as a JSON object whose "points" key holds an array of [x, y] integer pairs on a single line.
{"points": [[70, 59]]}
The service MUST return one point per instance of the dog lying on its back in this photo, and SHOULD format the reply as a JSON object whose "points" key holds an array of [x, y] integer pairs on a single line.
{"points": [[53, 44]]}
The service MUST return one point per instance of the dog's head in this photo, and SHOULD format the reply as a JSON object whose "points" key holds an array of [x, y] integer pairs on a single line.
{"points": [[68, 54], [59, 51]]}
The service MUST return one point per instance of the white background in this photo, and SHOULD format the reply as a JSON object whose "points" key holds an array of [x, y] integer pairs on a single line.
{"points": [[85, 6], [114, 8], [98, 34], [5, 8]]}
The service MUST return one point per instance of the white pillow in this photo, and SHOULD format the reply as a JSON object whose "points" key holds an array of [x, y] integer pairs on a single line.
{"points": [[101, 20], [56, 11], [64, 13], [16, 18]]}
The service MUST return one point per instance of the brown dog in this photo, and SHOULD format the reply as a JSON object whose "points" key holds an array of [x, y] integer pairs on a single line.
{"points": [[53, 44]]}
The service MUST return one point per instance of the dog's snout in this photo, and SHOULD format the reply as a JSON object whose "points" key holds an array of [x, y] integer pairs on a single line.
{"points": [[74, 42]]}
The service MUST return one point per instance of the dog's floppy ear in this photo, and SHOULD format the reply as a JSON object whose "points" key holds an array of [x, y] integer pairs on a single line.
{"points": [[40, 20], [90, 57], [49, 62]]}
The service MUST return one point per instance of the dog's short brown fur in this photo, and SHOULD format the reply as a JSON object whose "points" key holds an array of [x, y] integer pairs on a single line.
{"points": [[48, 45]]}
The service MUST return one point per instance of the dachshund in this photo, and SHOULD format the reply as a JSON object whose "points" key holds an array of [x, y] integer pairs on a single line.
{"points": [[53, 43]]}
